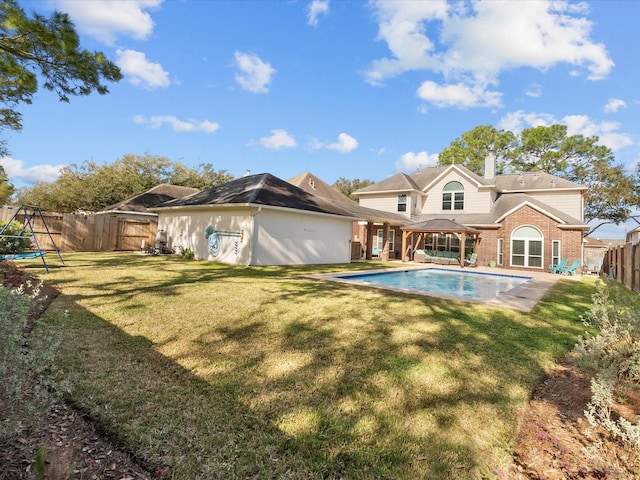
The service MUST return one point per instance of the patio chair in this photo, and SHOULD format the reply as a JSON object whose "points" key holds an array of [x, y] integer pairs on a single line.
{"points": [[561, 266], [472, 262], [572, 268]]}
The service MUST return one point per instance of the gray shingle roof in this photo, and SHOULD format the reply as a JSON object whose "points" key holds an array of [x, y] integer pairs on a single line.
{"points": [[517, 182], [260, 189], [151, 198]]}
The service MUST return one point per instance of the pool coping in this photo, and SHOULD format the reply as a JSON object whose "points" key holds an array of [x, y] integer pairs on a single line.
{"points": [[522, 298]]}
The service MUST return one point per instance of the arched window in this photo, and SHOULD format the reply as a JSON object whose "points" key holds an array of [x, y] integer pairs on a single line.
{"points": [[453, 196], [526, 247]]}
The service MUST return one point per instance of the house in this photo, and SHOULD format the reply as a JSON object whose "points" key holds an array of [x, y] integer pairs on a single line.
{"points": [[367, 241], [633, 236], [138, 205], [594, 253], [259, 220], [525, 220], [129, 224]]}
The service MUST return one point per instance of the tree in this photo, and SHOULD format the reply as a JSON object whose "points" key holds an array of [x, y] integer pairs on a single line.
{"points": [[347, 187], [611, 193], [471, 149], [6, 189], [92, 187], [46, 47], [202, 178]]}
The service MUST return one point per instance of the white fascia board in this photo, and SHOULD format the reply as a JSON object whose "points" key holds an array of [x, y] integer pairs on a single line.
{"points": [[462, 173], [239, 206], [127, 212]]}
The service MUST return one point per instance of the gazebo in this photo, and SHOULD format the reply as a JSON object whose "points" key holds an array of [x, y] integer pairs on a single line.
{"points": [[438, 225]]}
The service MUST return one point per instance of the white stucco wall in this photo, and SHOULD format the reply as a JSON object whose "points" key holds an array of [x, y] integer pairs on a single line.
{"points": [[286, 237], [187, 228], [254, 236]]}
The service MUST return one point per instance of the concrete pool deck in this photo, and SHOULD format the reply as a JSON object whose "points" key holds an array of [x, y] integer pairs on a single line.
{"points": [[522, 298]]}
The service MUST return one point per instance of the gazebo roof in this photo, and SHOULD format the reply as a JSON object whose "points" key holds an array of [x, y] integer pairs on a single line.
{"points": [[439, 225]]}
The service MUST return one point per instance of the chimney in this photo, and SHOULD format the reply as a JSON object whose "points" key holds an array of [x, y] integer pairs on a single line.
{"points": [[490, 166]]}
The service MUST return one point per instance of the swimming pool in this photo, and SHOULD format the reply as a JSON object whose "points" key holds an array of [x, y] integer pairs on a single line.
{"points": [[465, 285]]}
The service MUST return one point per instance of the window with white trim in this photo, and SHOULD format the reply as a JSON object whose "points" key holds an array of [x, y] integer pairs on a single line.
{"points": [[390, 240], [453, 196], [501, 251], [556, 252], [526, 247], [402, 202]]}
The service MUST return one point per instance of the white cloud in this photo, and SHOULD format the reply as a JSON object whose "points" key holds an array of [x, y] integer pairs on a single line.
{"points": [[317, 8], [106, 19], [471, 43], [141, 71], [346, 143], [614, 104], [279, 139], [607, 132], [40, 173], [457, 95], [534, 90], [411, 162], [519, 120], [255, 75], [177, 125]]}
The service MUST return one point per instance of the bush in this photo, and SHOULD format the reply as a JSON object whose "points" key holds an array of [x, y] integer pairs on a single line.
{"points": [[188, 254], [26, 363], [612, 355], [8, 242]]}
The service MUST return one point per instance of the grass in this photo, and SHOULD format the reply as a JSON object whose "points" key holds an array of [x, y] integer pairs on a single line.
{"points": [[213, 371]]}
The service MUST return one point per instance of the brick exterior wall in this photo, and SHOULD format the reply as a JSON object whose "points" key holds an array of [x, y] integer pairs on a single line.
{"points": [[571, 240]]}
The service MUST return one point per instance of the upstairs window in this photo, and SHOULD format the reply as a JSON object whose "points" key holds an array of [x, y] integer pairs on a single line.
{"points": [[402, 202], [453, 196]]}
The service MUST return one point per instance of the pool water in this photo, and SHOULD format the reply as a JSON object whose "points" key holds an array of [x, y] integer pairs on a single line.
{"points": [[440, 281]]}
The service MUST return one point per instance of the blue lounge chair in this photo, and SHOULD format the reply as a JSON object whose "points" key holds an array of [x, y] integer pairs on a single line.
{"points": [[572, 269], [561, 266]]}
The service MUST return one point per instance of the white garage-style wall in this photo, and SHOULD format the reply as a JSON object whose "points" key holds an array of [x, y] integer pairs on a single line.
{"points": [[258, 235], [294, 237]]}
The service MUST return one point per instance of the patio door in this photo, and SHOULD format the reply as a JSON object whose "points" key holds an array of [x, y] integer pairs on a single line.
{"points": [[526, 247]]}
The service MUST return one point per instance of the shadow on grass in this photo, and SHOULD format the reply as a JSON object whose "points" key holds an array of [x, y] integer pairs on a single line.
{"points": [[318, 380]]}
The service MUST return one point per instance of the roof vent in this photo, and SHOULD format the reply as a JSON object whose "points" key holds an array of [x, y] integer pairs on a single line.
{"points": [[247, 173], [312, 183]]}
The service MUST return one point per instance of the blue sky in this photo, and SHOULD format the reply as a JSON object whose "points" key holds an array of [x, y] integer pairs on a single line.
{"points": [[338, 88]]}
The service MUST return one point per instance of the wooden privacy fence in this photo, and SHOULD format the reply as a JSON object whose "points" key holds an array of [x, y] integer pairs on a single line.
{"points": [[623, 265], [89, 232]]}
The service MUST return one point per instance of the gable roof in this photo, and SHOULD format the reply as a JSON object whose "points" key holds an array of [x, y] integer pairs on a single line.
{"points": [[505, 205], [504, 183], [312, 184], [151, 198], [400, 182], [261, 189]]}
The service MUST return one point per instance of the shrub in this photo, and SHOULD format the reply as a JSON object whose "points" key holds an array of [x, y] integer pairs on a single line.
{"points": [[26, 363], [8, 242], [612, 355], [188, 254]]}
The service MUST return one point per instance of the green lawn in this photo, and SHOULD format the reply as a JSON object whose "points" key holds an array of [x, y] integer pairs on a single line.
{"points": [[213, 371]]}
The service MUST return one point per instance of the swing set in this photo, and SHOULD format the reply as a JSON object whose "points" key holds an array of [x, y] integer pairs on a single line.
{"points": [[31, 213]]}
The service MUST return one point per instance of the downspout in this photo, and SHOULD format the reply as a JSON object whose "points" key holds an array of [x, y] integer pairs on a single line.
{"points": [[253, 229]]}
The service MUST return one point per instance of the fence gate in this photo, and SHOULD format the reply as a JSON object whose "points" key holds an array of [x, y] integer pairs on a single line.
{"points": [[132, 233]]}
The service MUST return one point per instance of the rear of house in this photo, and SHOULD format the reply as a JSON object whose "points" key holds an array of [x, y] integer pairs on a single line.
{"points": [[527, 221]]}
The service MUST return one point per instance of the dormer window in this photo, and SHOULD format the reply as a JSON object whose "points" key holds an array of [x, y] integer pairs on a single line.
{"points": [[453, 196], [402, 202]]}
